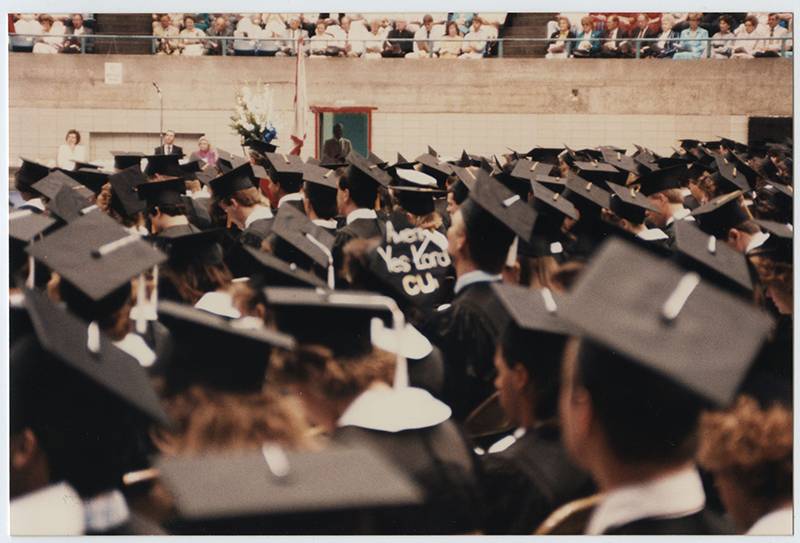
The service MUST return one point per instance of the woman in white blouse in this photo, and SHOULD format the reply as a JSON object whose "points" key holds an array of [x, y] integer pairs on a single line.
{"points": [[190, 44], [71, 151]]}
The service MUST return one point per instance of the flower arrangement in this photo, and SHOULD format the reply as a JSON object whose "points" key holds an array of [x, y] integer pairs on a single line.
{"points": [[252, 113]]}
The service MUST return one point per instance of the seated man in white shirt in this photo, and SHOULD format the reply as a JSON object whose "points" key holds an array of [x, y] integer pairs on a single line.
{"points": [[422, 45], [772, 47], [475, 43], [350, 39], [288, 46]]}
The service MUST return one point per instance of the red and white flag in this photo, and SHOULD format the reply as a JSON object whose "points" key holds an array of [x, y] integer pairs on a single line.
{"points": [[300, 103]]}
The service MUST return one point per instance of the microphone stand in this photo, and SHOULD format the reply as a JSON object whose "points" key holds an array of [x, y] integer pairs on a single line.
{"points": [[161, 127]]}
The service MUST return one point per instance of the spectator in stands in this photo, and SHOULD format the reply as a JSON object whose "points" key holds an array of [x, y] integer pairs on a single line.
{"points": [[204, 152], [475, 43], [318, 44], [249, 26], [289, 44], [589, 42], [612, 38], [772, 48], [274, 27], [164, 30], [691, 44], [747, 48], [73, 45], [373, 47], [201, 21], [398, 48], [219, 29], [350, 46], [724, 47], [464, 21], [50, 42], [71, 151], [24, 23], [642, 30], [666, 46], [557, 47], [191, 44], [450, 45], [422, 43]]}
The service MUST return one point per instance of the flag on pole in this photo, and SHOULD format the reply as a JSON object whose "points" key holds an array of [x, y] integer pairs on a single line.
{"points": [[300, 102]]}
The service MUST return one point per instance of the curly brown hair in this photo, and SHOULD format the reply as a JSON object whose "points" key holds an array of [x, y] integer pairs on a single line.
{"points": [[752, 444], [781, 274]]}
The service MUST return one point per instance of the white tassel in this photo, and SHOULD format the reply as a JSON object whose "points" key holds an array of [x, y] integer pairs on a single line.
{"points": [[93, 337], [31, 280], [321, 247], [674, 304], [141, 320], [511, 259]]}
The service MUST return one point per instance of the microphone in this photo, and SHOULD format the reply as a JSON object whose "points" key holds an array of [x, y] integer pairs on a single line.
{"points": [[158, 89]]}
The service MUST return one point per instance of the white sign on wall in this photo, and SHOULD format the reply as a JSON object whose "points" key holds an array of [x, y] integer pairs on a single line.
{"points": [[113, 73]]}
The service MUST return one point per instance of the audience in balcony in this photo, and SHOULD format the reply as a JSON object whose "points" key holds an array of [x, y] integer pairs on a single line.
{"points": [[73, 45], [642, 31], [666, 46], [219, 29], [289, 45], [428, 31], [393, 46], [450, 44], [723, 47], [318, 44], [612, 37], [691, 44], [747, 48], [463, 20], [557, 47], [476, 42], [376, 37], [50, 41], [164, 30], [191, 45], [589, 42], [772, 47]]}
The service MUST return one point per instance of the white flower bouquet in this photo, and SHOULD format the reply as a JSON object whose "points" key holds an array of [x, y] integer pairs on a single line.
{"points": [[252, 113]]}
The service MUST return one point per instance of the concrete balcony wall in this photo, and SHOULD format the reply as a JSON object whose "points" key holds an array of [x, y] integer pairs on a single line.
{"points": [[483, 105]]}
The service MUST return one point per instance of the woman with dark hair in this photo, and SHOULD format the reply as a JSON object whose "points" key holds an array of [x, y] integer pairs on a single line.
{"points": [[723, 49], [746, 48], [450, 46], [190, 44], [71, 152]]}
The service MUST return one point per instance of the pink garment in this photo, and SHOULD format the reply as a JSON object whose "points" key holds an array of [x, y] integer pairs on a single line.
{"points": [[209, 156]]}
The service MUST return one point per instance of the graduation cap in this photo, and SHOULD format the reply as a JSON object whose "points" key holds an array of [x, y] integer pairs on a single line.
{"points": [[550, 203], [469, 160], [466, 179], [205, 176], [732, 145], [779, 246], [730, 172], [361, 172], [769, 167], [287, 170], [530, 169], [321, 177], [271, 270], [25, 225], [718, 263], [556, 184], [630, 204], [667, 320], [375, 159], [493, 212], [124, 159], [68, 206], [240, 178], [689, 144], [403, 162], [81, 165], [645, 158], [29, 173], [52, 183], [96, 359], [198, 248], [262, 147], [307, 243], [166, 165], [328, 162], [532, 310], [341, 490], [416, 191], [337, 320], [227, 162], [124, 194], [94, 179], [161, 193], [661, 179], [778, 197], [213, 350], [619, 159], [568, 156], [721, 214], [547, 155], [436, 168], [191, 168], [588, 197], [600, 173], [96, 255]]}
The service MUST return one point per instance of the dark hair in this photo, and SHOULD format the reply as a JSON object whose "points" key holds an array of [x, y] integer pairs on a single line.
{"points": [[728, 19], [363, 194], [77, 134], [455, 24], [188, 17], [753, 20], [173, 210], [645, 417], [427, 19], [188, 282], [322, 200]]}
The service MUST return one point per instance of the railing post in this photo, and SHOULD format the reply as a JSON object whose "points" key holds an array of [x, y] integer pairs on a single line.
{"points": [[569, 47], [708, 48], [83, 45], [224, 47], [499, 47], [783, 47], [638, 46], [153, 45]]}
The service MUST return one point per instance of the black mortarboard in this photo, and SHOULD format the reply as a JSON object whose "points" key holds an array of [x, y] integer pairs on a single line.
{"points": [[466, 179], [769, 167], [492, 211], [548, 155], [212, 350], [436, 168], [532, 310], [340, 321], [546, 201], [65, 336], [162, 193], [68, 206], [630, 204], [689, 144], [721, 214], [51, 184], [416, 191], [529, 169], [125, 159], [568, 156], [125, 195], [335, 490], [271, 270], [167, 165], [668, 320], [403, 162], [740, 161], [328, 162], [29, 173], [96, 255], [360, 171], [705, 156], [240, 178], [94, 179], [600, 173], [324, 177], [661, 179], [734, 145], [585, 195], [261, 146], [191, 168], [779, 246], [313, 242], [206, 175], [730, 172], [287, 170], [24, 225], [198, 248], [645, 158], [375, 159], [556, 184], [81, 165], [716, 262], [619, 159]]}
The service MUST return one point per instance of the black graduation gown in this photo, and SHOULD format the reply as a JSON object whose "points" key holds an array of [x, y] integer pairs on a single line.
{"points": [[197, 212], [529, 480], [701, 523], [467, 332], [177, 231], [439, 459], [297, 204], [359, 228], [237, 259]]}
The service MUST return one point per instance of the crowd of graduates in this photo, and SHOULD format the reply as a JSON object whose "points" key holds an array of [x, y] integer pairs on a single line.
{"points": [[554, 342]]}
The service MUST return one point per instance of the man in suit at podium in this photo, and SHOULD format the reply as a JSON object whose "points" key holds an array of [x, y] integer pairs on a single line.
{"points": [[168, 148]]}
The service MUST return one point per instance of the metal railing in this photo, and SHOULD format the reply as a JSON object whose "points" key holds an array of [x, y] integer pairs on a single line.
{"points": [[256, 47]]}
